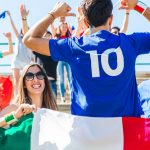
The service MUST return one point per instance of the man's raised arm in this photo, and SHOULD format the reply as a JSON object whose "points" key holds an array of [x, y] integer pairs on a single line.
{"points": [[33, 38], [136, 5]]}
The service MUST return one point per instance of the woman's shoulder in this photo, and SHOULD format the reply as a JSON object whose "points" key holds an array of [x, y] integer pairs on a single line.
{"points": [[10, 108]]}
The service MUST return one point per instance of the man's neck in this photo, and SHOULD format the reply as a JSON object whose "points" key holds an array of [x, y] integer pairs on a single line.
{"points": [[100, 28]]}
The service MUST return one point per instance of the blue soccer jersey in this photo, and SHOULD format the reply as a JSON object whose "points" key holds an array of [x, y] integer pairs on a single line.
{"points": [[103, 72]]}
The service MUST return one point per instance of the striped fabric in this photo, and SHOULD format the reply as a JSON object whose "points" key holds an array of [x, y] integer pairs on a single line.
{"points": [[52, 130]]}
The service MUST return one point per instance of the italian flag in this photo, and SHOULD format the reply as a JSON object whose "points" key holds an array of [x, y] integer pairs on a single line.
{"points": [[52, 130]]}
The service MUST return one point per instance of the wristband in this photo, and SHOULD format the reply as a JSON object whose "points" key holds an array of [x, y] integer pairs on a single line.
{"points": [[11, 118], [127, 13], [52, 15], [140, 7], [24, 18]]}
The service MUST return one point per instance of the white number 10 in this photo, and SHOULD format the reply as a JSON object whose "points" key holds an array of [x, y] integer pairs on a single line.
{"points": [[105, 63]]}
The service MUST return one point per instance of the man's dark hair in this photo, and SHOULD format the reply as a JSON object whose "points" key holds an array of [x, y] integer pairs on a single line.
{"points": [[117, 28], [97, 12]]}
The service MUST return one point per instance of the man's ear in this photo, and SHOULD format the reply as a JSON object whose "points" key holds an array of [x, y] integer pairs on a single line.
{"points": [[110, 20]]}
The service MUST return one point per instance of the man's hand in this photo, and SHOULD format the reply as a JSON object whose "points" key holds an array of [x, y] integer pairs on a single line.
{"points": [[62, 9], [128, 4]]}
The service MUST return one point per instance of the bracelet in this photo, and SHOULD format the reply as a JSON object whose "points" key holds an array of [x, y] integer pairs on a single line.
{"points": [[127, 13], [140, 7], [52, 15], [9, 119], [24, 18]]}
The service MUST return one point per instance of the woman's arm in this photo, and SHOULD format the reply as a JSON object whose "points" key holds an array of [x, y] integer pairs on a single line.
{"points": [[13, 114], [53, 30], [24, 13], [7, 110], [82, 27], [10, 50], [2, 122], [79, 29], [13, 25], [125, 22]]}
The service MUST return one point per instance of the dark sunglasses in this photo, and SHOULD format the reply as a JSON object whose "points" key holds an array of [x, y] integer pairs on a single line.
{"points": [[30, 76]]}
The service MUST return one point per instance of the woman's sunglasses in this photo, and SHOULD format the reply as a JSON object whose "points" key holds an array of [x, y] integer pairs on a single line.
{"points": [[30, 76]]}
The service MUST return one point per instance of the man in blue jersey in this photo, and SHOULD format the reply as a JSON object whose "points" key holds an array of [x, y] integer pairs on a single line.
{"points": [[102, 64]]}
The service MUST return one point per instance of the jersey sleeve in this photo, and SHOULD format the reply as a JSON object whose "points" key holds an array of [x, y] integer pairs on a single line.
{"points": [[61, 49], [141, 42]]}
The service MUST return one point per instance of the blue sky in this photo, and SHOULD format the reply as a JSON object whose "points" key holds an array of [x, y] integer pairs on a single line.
{"points": [[39, 8]]}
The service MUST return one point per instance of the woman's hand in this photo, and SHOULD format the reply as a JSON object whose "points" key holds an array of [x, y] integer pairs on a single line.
{"points": [[7, 35], [24, 109], [23, 11]]}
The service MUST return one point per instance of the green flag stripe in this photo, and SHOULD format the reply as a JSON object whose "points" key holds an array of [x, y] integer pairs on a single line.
{"points": [[17, 137]]}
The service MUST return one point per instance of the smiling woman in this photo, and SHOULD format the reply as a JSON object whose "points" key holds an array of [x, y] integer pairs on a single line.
{"points": [[34, 92]]}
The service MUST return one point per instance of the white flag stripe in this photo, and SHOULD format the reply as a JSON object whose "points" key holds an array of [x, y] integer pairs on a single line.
{"points": [[53, 130]]}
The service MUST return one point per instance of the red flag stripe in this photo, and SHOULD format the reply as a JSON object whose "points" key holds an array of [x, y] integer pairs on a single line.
{"points": [[136, 133]]}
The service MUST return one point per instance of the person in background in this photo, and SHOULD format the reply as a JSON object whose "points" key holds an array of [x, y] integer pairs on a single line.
{"points": [[144, 91], [34, 92], [10, 49], [102, 64], [62, 33], [84, 30], [62, 20], [49, 65], [82, 27], [22, 55], [115, 30], [5, 82]]}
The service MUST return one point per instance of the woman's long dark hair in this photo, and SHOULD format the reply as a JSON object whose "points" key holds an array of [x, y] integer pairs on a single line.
{"points": [[58, 35], [48, 97]]}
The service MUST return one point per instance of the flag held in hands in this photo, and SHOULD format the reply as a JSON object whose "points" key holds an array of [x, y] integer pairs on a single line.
{"points": [[52, 130], [5, 91]]}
